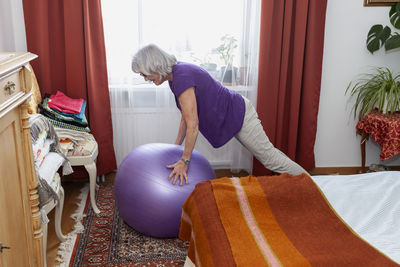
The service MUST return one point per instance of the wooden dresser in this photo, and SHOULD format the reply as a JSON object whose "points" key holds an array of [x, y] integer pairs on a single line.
{"points": [[20, 231]]}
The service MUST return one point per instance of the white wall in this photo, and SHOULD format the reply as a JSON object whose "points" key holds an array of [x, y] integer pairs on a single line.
{"points": [[345, 57], [12, 27]]}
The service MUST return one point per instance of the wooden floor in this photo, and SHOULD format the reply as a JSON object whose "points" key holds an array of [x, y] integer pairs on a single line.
{"points": [[72, 191]]}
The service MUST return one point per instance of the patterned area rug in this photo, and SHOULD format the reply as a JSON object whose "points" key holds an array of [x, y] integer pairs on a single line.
{"points": [[108, 241]]}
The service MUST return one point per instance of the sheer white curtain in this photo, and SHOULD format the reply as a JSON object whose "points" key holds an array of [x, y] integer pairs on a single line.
{"points": [[222, 36]]}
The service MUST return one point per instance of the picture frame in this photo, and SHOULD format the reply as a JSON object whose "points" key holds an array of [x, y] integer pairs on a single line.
{"points": [[380, 2]]}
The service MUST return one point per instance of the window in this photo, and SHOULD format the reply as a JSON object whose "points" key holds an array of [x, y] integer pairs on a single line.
{"points": [[208, 33], [220, 35]]}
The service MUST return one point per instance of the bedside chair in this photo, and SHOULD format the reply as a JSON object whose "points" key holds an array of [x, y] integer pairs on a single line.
{"points": [[81, 156], [47, 161], [58, 214], [88, 160]]}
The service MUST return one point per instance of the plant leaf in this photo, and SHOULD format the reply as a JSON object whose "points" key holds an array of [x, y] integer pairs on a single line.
{"points": [[379, 89], [394, 15], [393, 42], [377, 36]]}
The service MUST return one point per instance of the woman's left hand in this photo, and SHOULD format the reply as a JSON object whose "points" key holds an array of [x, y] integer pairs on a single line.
{"points": [[179, 171]]}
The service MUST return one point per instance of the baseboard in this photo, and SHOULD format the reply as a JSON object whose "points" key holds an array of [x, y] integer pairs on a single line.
{"points": [[344, 170]]}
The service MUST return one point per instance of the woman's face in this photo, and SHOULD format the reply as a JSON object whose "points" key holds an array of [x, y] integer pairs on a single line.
{"points": [[156, 78]]}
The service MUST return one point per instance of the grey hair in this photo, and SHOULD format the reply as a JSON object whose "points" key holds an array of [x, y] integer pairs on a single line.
{"points": [[152, 59]]}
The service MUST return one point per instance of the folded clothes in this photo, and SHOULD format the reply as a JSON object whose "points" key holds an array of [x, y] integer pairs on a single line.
{"points": [[84, 148], [64, 103], [74, 136], [48, 112], [66, 147], [78, 116], [67, 125], [75, 143]]}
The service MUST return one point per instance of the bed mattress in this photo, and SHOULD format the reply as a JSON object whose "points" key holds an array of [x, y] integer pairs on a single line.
{"points": [[370, 204]]}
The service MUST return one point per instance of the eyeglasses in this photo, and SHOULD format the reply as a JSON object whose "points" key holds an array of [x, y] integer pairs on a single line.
{"points": [[144, 75]]}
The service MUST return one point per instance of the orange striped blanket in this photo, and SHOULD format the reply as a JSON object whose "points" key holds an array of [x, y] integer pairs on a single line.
{"points": [[269, 221]]}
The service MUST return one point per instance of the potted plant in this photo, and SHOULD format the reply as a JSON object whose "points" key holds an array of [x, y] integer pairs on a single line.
{"points": [[226, 52], [379, 36], [206, 63], [380, 89]]}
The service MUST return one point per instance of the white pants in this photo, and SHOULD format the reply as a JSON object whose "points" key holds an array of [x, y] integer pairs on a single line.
{"points": [[254, 138]]}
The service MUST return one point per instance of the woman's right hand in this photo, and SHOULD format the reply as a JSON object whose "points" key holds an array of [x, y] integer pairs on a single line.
{"points": [[179, 171]]}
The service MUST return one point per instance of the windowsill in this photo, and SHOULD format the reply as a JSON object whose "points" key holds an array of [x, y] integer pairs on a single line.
{"points": [[147, 86], [149, 98]]}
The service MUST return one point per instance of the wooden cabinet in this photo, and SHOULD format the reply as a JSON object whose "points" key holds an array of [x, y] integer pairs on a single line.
{"points": [[19, 212]]}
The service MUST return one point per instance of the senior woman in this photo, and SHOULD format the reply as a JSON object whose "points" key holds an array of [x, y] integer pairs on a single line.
{"points": [[207, 106]]}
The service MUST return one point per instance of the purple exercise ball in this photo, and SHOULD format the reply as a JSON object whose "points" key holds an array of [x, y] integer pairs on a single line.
{"points": [[146, 199]]}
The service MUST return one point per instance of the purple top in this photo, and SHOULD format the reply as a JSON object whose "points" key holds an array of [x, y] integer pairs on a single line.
{"points": [[220, 110]]}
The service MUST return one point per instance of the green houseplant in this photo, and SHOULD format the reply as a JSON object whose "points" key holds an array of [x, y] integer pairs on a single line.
{"points": [[205, 62], [379, 89], [379, 36], [226, 51], [226, 48]]}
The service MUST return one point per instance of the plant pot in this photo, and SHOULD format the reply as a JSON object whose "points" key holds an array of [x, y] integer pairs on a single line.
{"points": [[384, 107], [228, 75], [209, 66]]}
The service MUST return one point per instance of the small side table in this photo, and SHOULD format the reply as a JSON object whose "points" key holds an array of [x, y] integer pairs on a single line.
{"points": [[384, 129]]}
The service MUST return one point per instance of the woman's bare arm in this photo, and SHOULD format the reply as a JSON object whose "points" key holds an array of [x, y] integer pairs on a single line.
{"points": [[181, 132], [187, 101]]}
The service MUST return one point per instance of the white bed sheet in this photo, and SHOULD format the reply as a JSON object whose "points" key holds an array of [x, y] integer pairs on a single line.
{"points": [[370, 204]]}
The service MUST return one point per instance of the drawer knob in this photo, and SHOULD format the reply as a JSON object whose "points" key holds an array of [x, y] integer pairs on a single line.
{"points": [[3, 247], [9, 88]]}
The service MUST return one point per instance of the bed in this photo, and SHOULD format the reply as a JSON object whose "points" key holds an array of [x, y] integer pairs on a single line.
{"points": [[335, 220]]}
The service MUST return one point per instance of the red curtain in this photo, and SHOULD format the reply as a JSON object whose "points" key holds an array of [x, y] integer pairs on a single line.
{"points": [[291, 49], [69, 40]]}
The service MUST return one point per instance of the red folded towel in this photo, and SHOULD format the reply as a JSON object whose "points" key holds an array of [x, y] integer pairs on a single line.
{"points": [[63, 103]]}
